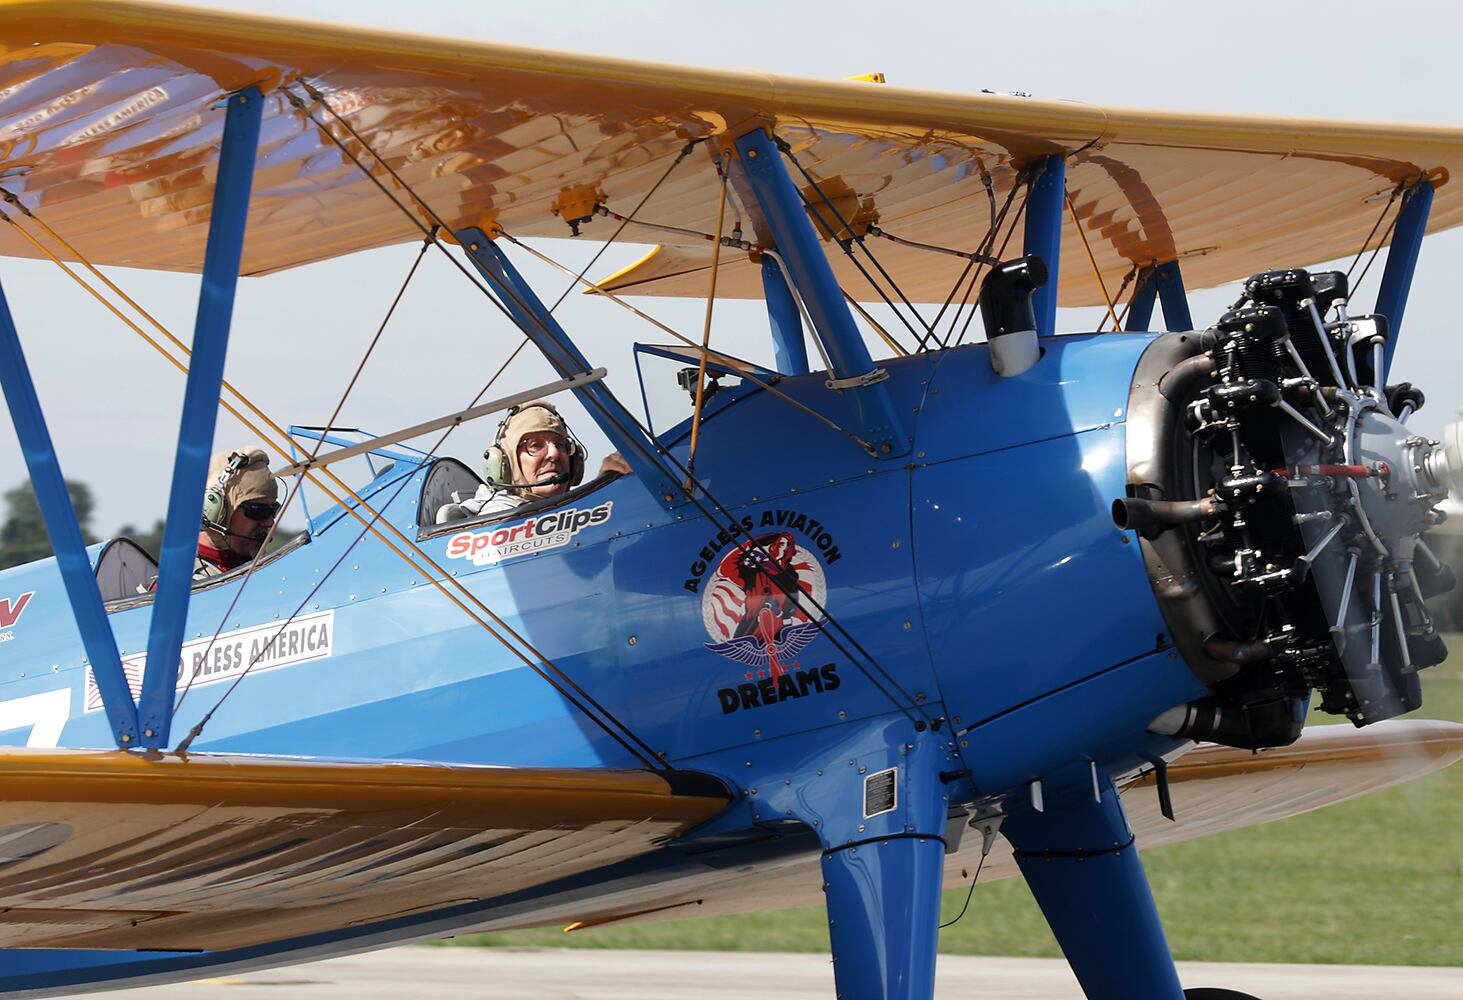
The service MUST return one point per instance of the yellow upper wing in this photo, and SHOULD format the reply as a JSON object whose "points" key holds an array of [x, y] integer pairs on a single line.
{"points": [[109, 131], [112, 849]]}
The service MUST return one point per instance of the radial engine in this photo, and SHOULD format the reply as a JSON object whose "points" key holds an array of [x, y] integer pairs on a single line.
{"points": [[1282, 508]]}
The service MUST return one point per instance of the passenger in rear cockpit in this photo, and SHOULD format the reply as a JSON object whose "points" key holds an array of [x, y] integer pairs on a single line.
{"points": [[534, 457], [240, 504]]}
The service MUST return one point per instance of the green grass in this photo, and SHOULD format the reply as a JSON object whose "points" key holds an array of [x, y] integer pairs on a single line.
{"points": [[1378, 880]]}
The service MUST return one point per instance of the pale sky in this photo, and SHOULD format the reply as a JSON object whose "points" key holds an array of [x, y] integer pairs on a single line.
{"points": [[113, 406]]}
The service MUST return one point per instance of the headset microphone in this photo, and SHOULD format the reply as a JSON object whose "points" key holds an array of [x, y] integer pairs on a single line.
{"points": [[215, 495]]}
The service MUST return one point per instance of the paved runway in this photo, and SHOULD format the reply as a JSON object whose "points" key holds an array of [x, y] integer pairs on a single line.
{"points": [[547, 974]]}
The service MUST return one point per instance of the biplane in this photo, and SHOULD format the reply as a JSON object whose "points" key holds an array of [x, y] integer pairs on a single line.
{"points": [[975, 596]]}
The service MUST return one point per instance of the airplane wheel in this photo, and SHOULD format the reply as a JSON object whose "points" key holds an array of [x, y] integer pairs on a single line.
{"points": [[1209, 994]]}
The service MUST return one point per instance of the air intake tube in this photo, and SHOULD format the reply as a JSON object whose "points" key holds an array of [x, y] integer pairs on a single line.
{"points": [[1271, 719], [1010, 322]]}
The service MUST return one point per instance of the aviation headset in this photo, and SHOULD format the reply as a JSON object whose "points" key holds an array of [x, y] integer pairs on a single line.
{"points": [[500, 468]]}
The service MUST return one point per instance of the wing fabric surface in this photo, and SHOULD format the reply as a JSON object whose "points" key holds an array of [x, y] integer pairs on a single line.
{"points": [[106, 849], [109, 131], [116, 850], [1215, 789]]}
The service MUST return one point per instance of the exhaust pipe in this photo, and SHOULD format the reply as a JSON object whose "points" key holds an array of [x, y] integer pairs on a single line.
{"points": [[1177, 383], [1151, 518]]}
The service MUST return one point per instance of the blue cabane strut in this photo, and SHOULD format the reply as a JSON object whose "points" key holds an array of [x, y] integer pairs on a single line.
{"points": [[789, 351], [200, 411], [539, 325], [808, 267], [65, 533], [1165, 283], [1044, 205]]}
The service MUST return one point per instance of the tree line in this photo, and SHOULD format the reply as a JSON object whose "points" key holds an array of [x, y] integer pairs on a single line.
{"points": [[23, 535], [23, 539]]}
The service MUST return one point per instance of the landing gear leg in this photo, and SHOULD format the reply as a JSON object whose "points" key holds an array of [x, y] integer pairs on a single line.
{"points": [[1079, 860], [880, 807], [884, 916]]}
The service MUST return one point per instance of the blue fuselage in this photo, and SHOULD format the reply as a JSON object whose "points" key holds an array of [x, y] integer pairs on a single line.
{"points": [[979, 579]]}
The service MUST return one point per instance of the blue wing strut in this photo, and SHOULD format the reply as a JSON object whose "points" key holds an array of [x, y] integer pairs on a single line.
{"points": [[65, 532], [200, 411], [1411, 226]]}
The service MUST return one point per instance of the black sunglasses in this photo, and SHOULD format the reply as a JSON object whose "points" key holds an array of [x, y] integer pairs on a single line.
{"points": [[259, 510]]}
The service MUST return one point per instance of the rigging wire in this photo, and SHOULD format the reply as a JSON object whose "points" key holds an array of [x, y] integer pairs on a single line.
{"points": [[731, 520], [970, 265], [591, 398], [985, 248], [1375, 226], [975, 257], [1353, 286], [298, 484], [706, 333], [1000, 254], [796, 595], [1122, 317], [659, 453], [982, 250], [760, 383], [1096, 272], [855, 238], [426, 208], [281, 436], [1372, 259], [733, 241], [883, 334]]}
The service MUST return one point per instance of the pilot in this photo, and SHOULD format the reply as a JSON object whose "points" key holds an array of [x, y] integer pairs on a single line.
{"points": [[240, 504], [534, 457]]}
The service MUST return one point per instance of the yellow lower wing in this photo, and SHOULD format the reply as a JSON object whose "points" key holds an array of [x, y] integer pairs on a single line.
{"points": [[1215, 789], [113, 849]]}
